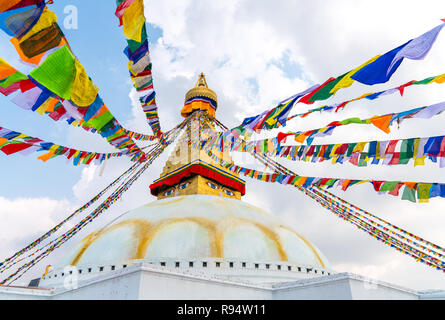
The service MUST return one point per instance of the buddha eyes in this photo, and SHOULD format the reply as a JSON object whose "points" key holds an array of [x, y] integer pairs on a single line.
{"points": [[184, 185], [212, 185]]}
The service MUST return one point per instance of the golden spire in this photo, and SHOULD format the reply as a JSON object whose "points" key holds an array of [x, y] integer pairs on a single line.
{"points": [[206, 98], [201, 81]]}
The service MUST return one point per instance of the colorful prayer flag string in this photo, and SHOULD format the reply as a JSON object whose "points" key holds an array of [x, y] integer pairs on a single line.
{"points": [[376, 70], [419, 249], [12, 142], [58, 81], [413, 191], [389, 152], [131, 16], [116, 195]]}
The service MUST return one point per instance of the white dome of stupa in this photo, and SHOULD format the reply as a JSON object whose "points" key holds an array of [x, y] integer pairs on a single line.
{"points": [[196, 227]]}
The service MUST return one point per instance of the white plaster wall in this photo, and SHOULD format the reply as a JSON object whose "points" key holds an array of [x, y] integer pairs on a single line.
{"points": [[176, 287], [367, 290], [328, 290], [123, 287], [145, 281], [23, 294]]}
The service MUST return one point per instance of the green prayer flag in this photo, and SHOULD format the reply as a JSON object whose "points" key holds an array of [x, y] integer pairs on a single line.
{"points": [[362, 162], [389, 186], [330, 182], [325, 92], [423, 191], [352, 120], [16, 77], [99, 122], [425, 81], [409, 194], [134, 45], [350, 149], [406, 151], [57, 72]]}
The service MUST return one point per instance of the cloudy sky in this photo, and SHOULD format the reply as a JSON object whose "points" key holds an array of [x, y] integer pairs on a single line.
{"points": [[254, 54]]}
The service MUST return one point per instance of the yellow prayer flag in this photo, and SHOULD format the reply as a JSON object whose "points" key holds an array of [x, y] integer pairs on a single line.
{"points": [[359, 147], [378, 150], [419, 161], [21, 136], [270, 147], [133, 20], [41, 110], [54, 147], [332, 154], [83, 90], [46, 20]]}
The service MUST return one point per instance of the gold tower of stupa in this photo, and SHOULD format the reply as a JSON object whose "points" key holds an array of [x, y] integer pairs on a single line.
{"points": [[190, 170]]}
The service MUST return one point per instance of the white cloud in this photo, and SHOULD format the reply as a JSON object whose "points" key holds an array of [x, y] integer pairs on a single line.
{"points": [[24, 219]]}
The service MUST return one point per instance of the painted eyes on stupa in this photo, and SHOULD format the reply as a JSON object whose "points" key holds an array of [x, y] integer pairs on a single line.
{"points": [[228, 192], [181, 186], [212, 185], [184, 185]]}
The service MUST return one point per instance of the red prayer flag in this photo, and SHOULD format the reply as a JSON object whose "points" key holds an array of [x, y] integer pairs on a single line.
{"points": [[11, 89], [310, 151], [396, 190], [377, 185], [341, 105], [281, 136], [395, 159], [403, 86], [342, 149], [323, 182], [15, 147], [334, 124], [26, 85], [354, 159]]}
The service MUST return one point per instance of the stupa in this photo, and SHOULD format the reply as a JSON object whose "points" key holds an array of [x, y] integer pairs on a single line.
{"points": [[199, 240], [199, 220]]}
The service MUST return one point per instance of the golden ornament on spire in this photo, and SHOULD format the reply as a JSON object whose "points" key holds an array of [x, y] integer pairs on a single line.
{"points": [[200, 98]]}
